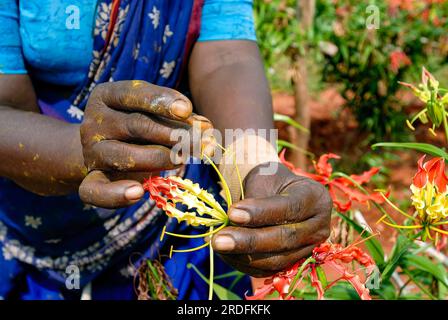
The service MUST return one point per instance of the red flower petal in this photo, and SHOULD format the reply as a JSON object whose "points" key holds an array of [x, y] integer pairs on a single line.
{"points": [[420, 178], [436, 173], [315, 282], [365, 176], [323, 167], [353, 279], [341, 207]]}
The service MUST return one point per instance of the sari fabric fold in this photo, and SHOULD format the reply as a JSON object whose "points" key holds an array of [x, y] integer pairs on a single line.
{"points": [[50, 244]]}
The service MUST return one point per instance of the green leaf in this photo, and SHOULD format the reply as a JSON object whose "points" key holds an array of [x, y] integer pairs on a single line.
{"points": [[220, 291], [421, 147], [229, 274], [290, 121], [373, 245], [341, 291], [402, 245], [386, 291], [285, 144], [321, 276], [427, 265]]}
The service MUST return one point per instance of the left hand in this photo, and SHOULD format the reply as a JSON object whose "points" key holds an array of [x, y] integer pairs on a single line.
{"points": [[282, 219]]}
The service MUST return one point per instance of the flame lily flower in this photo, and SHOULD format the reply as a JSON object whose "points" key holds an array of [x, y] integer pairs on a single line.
{"points": [[202, 208], [428, 92], [429, 199], [333, 256], [205, 210], [167, 192], [346, 185]]}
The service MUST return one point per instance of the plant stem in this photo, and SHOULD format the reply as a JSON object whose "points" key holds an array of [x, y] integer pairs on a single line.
{"points": [[445, 124], [298, 275], [419, 285], [212, 269]]}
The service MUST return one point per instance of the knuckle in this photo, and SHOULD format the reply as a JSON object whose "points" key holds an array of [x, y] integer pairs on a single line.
{"points": [[140, 126], [295, 208], [84, 131], [250, 242], [100, 90], [288, 235], [110, 156], [160, 158]]}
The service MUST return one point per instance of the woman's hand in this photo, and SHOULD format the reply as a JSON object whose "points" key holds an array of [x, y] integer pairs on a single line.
{"points": [[126, 134], [282, 219]]}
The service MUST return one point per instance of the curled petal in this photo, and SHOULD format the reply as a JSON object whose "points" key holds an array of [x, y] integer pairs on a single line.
{"points": [[420, 178], [436, 173], [323, 167], [365, 176], [357, 195], [339, 205], [261, 293], [353, 279], [299, 171]]}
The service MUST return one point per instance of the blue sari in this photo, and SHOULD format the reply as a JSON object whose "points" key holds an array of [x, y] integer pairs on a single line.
{"points": [[43, 240]]}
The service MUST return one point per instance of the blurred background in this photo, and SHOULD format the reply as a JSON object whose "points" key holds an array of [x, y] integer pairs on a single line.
{"points": [[334, 66]]}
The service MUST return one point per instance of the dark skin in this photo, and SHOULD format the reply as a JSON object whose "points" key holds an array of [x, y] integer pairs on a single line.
{"points": [[125, 136]]}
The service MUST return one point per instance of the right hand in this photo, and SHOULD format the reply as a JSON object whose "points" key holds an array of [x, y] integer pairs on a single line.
{"points": [[126, 135]]}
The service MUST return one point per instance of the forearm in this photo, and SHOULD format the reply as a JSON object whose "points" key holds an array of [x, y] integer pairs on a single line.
{"points": [[229, 85], [39, 153]]}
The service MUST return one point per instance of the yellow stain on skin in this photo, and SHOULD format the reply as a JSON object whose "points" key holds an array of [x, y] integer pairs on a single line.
{"points": [[52, 179], [131, 163], [21, 146], [36, 157], [26, 173], [98, 137], [99, 119], [83, 171], [137, 83]]}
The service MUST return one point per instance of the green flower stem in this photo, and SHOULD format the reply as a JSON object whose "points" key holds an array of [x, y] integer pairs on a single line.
{"points": [[212, 269], [445, 124], [411, 277], [299, 274]]}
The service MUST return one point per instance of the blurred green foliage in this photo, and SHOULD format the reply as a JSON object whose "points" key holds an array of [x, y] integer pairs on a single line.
{"points": [[365, 64]]}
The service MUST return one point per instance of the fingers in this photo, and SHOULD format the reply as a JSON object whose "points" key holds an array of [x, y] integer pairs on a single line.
{"points": [[270, 211], [96, 189], [142, 96], [299, 201], [138, 127], [112, 155], [266, 264], [237, 240]]}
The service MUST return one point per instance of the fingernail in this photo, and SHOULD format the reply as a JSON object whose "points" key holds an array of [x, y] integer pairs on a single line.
{"points": [[224, 243], [201, 118], [181, 108], [239, 216], [134, 193]]}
